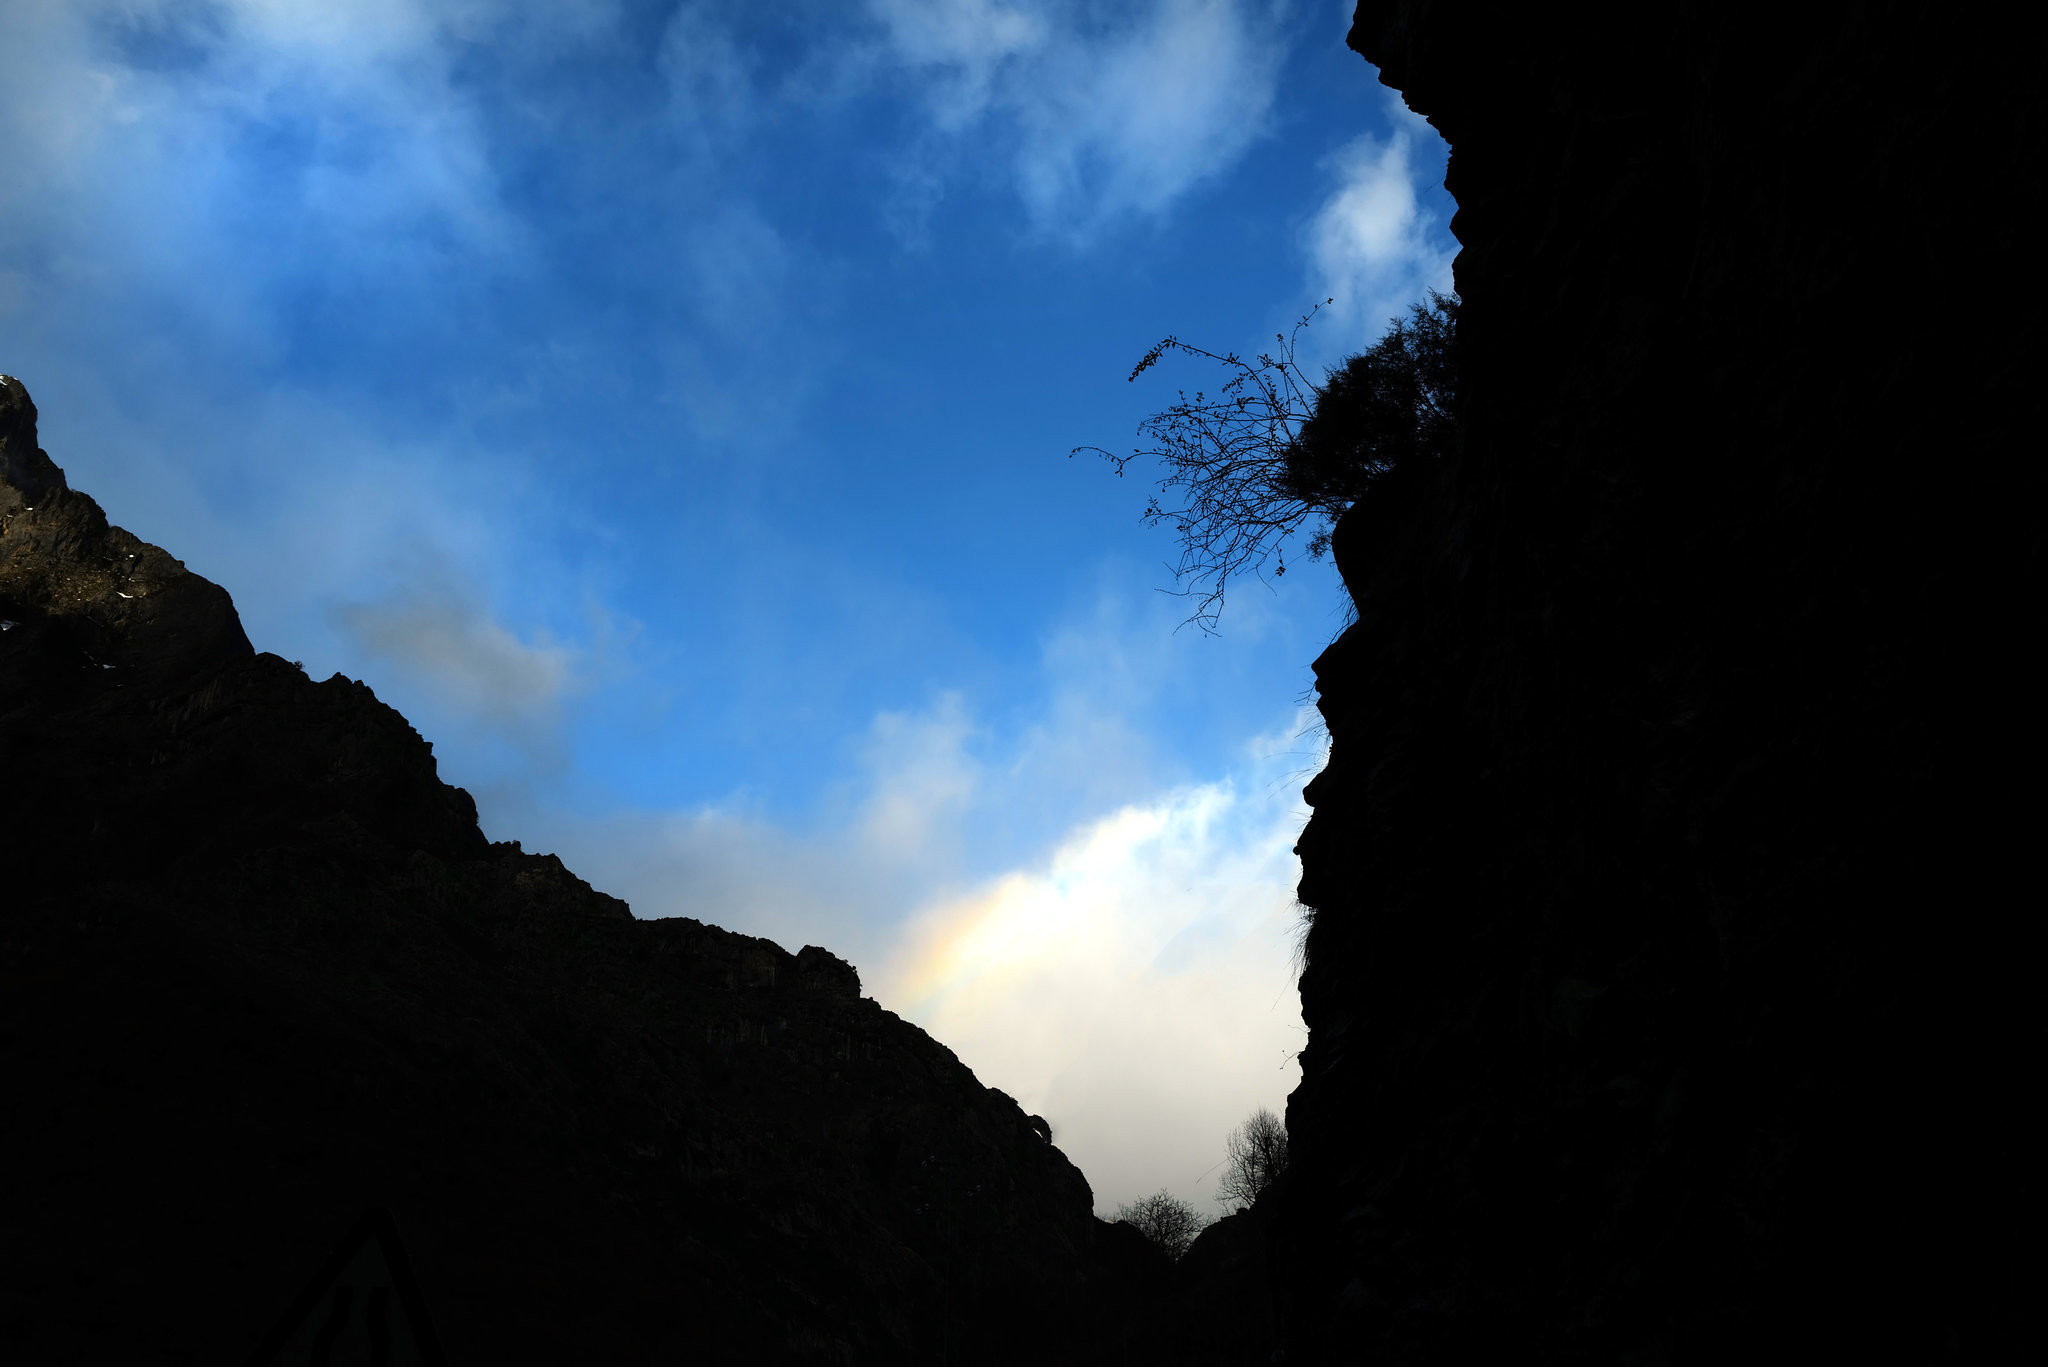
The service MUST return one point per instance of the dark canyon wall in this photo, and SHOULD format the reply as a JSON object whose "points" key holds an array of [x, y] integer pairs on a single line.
{"points": [[259, 971], [1671, 982]]}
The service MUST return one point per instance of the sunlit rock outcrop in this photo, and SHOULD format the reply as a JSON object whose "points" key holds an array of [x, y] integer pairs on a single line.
{"points": [[1668, 990], [262, 971]]}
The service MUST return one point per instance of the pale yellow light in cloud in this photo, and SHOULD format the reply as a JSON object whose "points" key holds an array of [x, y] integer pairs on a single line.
{"points": [[1137, 990]]}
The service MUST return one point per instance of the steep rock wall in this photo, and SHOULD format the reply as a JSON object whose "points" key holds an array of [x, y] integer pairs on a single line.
{"points": [[1667, 988]]}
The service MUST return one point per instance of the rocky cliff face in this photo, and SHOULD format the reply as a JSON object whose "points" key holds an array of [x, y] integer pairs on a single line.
{"points": [[259, 970], [1668, 981]]}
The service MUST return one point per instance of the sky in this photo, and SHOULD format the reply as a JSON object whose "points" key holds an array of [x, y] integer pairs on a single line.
{"points": [[668, 408]]}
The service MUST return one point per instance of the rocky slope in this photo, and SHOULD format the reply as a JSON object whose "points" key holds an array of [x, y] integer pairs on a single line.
{"points": [[1668, 984], [259, 970]]}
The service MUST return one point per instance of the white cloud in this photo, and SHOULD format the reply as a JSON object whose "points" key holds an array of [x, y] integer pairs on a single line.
{"points": [[1102, 115], [1136, 987], [1371, 247]]}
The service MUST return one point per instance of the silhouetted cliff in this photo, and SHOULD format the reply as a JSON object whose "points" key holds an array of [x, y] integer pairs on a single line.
{"points": [[261, 970], [1668, 989]]}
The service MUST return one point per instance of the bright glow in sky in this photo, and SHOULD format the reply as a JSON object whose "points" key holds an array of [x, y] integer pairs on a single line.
{"points": [[666, 406]]}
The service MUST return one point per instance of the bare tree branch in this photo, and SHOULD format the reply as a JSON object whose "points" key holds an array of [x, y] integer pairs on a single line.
{"points": [[1225, 491], [1258, 1155], [1271, 453], [1166, 1220]]}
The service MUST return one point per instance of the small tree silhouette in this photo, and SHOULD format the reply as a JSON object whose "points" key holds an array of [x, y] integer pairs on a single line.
{"points": [[1270, 453], [1257, 1155], [1165, 1219]]}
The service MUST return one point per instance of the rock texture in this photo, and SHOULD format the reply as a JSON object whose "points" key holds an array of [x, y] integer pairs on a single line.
{"points": [[259, 970], [1669, 987]]}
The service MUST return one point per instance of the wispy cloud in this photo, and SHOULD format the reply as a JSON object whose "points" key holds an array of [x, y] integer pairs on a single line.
{"points": [[751, 294], [710, 75], [204, 153], [1101, 115], [962, 47], [924, 778], [1372, 247], [459, 652]]}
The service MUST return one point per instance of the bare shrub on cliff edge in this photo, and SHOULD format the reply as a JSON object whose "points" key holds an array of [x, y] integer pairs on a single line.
{"points": [[1270, 454], [1258, 1155], [1165, 1219]]}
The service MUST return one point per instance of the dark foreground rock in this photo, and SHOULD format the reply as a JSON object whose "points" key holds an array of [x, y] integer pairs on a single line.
{"points": [[259, 971], [1217, 1309], [1672, 986]]}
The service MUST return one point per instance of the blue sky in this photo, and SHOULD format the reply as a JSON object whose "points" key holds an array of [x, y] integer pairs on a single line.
{"points": [[667, 407]]}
